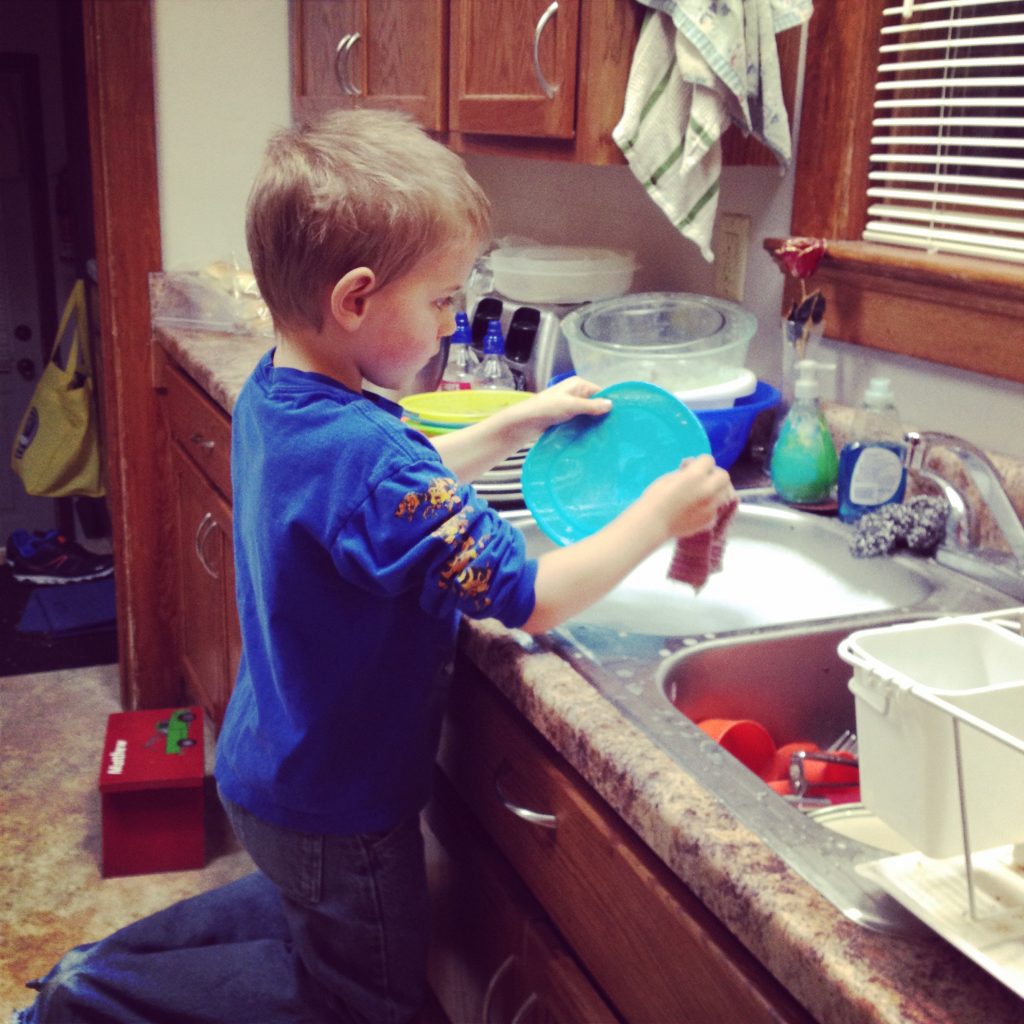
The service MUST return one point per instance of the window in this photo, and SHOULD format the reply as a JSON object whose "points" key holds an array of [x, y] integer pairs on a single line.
{"points": [[960, 310], [947, 149]]}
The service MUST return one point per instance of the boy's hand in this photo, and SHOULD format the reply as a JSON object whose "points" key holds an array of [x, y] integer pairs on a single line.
{"points": [[686, 501], [560, 403]]}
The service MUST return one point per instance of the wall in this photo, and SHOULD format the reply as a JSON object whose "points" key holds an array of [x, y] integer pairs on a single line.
{"points": [[222, 86]]}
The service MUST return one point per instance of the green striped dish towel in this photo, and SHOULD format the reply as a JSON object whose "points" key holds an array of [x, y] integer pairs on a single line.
{"points": [[699, 66]]}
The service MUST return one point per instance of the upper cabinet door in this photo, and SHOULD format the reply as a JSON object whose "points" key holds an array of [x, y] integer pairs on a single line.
{"points": [[370, 53], [513, 67]]}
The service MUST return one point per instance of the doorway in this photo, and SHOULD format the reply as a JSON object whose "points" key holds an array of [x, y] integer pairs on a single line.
{"points": [[46, 233], [47, 242]]}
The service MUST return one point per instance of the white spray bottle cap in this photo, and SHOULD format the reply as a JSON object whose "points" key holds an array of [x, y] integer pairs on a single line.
{"points": [[806, 383]]}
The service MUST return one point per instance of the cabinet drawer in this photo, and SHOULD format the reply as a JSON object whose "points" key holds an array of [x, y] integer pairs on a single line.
{"points": [[655, 949], [202, 429]]}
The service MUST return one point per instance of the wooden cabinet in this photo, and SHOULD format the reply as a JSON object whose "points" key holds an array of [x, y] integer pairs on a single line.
{"points": [[653, 949], [494, 956], [513, 67], [525, 77], [209, 640], [370, 53]]}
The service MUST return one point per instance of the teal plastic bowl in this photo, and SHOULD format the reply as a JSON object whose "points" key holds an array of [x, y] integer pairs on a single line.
{"points": [[729, 429]]}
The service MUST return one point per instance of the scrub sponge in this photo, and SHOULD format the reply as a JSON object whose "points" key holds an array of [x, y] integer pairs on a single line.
{"points": [[919, 525]]}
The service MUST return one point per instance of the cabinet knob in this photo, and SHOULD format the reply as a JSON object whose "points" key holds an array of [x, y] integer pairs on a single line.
{"points": [[503, 968], [547, 88], [342, 70], [528, 1004], [206, 526], [533, 817]]}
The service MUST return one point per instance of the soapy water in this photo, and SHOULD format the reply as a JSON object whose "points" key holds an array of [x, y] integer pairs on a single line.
{"points": [[761, 584]]}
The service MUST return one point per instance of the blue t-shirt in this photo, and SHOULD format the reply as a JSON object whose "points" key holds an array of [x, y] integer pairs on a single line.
{"points": [[356, 553]]}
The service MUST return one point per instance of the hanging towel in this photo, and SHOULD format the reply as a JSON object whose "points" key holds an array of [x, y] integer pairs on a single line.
{"points": [[699, 66]]}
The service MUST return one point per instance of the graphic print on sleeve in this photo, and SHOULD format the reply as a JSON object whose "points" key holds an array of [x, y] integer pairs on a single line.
{"points": [[442, 498]]}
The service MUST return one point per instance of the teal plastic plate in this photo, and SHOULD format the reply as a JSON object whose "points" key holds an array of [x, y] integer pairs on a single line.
{"points": [[580, 475]]}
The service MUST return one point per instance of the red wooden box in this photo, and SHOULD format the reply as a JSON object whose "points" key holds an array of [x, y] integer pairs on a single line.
{"points": [[151, 791]]}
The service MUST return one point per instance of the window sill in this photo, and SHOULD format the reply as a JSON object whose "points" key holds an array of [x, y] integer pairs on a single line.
{"points": [[955, 310]]}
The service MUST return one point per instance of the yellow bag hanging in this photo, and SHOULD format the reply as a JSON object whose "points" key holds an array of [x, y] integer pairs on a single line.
{"points": [[57, 451]]}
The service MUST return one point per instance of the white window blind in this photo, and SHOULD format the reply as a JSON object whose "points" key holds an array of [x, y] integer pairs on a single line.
{"points": [[947, 148]]}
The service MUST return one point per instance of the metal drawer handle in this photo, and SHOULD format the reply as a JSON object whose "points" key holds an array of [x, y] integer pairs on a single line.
{"points": [[503, 969], [523, 1010], [547, 88], [533, 817], [342, 56], [206, 526], [203, 442]]}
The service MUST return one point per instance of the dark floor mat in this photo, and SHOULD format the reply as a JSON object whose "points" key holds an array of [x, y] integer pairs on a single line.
{"points": [[51, 646], [70, 609]]}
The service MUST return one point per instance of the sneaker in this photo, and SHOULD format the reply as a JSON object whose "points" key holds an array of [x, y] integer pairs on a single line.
{"points": [[51, 558]]}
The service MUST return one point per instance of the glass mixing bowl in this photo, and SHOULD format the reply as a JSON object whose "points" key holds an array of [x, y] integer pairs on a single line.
{"points": [[676, 340]]}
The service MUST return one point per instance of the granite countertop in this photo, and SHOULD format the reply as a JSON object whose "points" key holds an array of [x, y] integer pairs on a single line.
{"points": [[842, 973]]}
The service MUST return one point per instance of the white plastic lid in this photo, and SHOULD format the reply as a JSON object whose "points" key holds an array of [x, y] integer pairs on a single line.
{"points": [[559, 259], [560, 273]]}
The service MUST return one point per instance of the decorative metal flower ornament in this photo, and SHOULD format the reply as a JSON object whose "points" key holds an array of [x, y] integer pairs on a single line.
{"points": [[800, 258]]}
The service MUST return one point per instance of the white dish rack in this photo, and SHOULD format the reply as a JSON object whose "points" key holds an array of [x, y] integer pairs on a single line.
{"points": [[940, 723]]}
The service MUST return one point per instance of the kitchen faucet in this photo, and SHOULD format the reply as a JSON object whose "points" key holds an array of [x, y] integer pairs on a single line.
{"points": [[1006, 573]]}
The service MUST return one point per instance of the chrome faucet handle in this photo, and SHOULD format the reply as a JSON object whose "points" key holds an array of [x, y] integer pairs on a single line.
{"points": [[961, 527], [983, 474]]}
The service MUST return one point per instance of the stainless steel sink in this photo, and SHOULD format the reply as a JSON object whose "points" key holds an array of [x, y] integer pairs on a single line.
{"points": [[759, 642]]}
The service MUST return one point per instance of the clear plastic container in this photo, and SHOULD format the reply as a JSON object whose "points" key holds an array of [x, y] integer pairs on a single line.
{"points": [[673, 339]]}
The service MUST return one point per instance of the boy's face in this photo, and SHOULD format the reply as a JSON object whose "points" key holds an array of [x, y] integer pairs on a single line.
{"points": [[406, 319]]}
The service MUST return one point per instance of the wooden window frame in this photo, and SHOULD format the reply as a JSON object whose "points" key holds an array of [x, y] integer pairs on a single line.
{"points": [[960, 311]]}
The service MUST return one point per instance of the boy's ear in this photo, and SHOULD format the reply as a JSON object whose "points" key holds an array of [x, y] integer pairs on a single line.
{"points": [[349, 295]]}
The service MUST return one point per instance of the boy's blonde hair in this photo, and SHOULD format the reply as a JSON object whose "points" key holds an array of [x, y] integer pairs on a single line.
{"points": [[358, 188]]}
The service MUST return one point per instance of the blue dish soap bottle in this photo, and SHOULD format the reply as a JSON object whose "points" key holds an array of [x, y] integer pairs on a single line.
{"points": [[804, 466], [871, 470]]}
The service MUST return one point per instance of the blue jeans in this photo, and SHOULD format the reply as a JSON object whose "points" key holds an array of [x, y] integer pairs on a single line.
{"points": [[357, 911], [225, 955], [332, 928]]}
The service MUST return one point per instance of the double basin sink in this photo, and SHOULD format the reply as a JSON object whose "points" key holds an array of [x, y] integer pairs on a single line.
{"points": [[759, 642]]}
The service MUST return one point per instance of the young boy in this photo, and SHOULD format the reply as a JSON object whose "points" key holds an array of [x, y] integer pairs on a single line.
{"points": [[358, 546], [359, 543]]}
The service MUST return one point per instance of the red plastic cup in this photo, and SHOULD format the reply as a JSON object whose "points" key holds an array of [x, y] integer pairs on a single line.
{"points": [[749, 742]]}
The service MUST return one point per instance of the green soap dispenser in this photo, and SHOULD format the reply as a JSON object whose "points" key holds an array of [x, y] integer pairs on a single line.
{"points": [[804, 466]]}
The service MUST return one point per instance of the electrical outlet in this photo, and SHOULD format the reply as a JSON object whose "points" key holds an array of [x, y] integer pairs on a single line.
{"points": [[731, 240]]}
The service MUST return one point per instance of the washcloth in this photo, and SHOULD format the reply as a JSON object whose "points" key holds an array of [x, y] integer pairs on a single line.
{"points": [[696, 557], [699, 66]]}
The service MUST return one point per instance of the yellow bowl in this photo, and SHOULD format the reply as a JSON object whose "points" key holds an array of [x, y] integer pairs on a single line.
{"points": [[454, 408], [425, 428]]}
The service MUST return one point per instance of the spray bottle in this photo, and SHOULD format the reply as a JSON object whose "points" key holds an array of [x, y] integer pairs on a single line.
{"points": [[804, 467], [463, 362], [494, 373]]}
